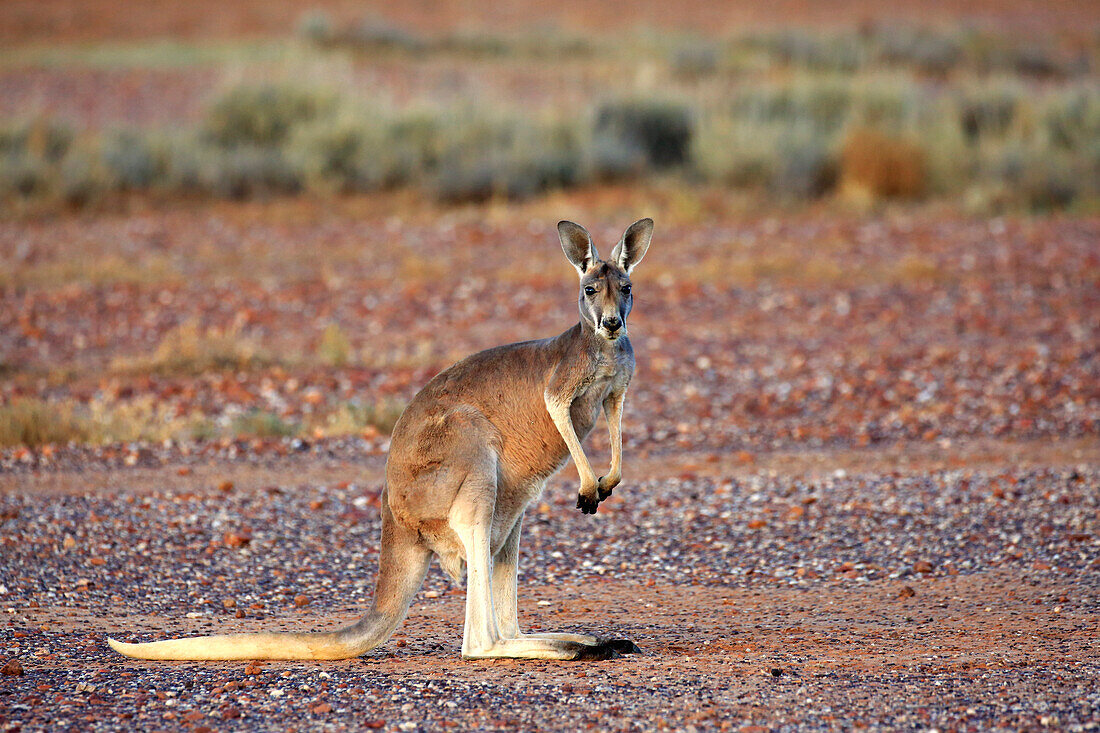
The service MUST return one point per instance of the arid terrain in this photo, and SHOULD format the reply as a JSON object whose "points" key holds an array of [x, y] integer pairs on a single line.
{"points": [[862, 445], [861, 484]]}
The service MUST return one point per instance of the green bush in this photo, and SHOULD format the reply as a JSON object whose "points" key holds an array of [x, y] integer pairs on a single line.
{"points": [[659, 131], [24, 176], [131, 161], [263, 424], [47, 139], [337, 155], [247, 172], [507, 158], [927, 51], [264, 116], [82, 179], [989, 111], [374, 33]]}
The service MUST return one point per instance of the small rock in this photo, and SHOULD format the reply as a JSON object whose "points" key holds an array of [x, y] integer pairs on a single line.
{"points": [[12, 668], [321, 709], [237, 539], [301, 601], [907, 592], [225, 487], [922, 566]]}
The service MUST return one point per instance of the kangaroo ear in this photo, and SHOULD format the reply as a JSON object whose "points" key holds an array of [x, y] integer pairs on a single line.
{"points": [[577, 244], [631, 248]]}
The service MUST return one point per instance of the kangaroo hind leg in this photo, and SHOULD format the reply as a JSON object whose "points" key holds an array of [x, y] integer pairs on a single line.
{"points": [[505, 602], [471, 517]]}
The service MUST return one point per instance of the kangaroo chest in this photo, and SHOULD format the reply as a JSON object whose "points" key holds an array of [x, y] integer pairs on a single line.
{"points": [[585, 409]]}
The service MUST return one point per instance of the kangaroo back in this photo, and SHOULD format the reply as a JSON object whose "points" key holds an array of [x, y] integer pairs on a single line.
{"points": [[402, 566]]}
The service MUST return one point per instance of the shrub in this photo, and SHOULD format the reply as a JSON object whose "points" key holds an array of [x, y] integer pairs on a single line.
{"points": [[1072, 118], [131, 162], [42, 138], [1034, 60], [880, 166], [262, 424], [375, 33], [82, 179], [792, 159], [989, 112], [507, 158], [928, 51], [264, 116], [250, 172], [660, 131], [812, 51], [24, 175], [337, 155], [694, 61], [807, 171]]}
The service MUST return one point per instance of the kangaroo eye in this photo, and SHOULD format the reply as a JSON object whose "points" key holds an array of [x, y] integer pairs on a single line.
{"points": [[589, 290], [626, 290]]}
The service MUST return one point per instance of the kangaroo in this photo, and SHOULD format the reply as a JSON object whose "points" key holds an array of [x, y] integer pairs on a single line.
{"points": [[471, 451]]}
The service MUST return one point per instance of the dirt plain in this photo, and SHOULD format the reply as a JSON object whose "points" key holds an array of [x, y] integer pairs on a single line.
{"points": [[918, 549], [87, 20]]}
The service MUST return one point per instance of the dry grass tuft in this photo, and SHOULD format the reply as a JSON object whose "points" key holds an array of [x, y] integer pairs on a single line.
{"points": [[334, 349], [189, 349], [33, 422], [353, 418], [874, 165]]}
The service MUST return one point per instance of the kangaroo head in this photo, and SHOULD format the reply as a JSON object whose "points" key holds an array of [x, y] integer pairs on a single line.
{"points": [[605, 295]]}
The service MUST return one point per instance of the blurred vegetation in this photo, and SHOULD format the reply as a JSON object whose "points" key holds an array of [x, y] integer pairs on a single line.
{"points": [[190, 349], [32, 422], [871, 114]]}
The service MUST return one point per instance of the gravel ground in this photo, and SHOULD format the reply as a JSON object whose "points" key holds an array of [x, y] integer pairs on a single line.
{"points": [[862, 484], [951, 599], [901, 328]]}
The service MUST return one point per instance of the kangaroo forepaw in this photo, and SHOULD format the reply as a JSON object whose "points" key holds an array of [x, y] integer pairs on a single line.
{"points": [[596, 653], [605, 485], [622, 646], [587, 504]]}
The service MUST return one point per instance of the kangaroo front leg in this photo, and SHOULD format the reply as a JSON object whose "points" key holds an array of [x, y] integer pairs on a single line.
{"points": [[613, 413], [588, 497]]}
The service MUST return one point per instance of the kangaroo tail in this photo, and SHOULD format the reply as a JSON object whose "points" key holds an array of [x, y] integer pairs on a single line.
{"points": [[402, 565]]}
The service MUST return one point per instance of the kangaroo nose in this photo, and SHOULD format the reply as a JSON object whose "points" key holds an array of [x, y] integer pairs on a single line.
{"points": [[612, 324]]}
